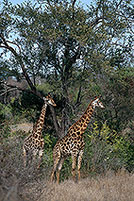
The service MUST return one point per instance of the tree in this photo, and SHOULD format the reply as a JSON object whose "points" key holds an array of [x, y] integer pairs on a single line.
{"points": [[73, 48]]}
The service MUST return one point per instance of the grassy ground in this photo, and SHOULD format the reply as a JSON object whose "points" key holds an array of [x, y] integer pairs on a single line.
{"points": [[29, 184], [111, 187]]}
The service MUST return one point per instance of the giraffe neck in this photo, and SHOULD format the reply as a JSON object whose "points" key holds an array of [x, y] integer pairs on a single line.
{"points": [[40, 121], [81, 125]]}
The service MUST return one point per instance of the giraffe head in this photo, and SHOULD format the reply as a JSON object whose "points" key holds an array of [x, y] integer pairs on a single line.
{"points": [[48, 99], [97, 103]]}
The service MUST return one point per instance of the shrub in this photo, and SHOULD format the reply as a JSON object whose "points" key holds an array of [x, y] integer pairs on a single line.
{"points": [[5, 111], [124, 149], [105, 150]]}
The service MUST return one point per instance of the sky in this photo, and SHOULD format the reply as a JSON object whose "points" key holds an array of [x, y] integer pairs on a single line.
{"points": [[84, 2]]}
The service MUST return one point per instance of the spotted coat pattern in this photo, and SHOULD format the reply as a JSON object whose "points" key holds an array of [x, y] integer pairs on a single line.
{"points": [[73, 143], [34, 143]]}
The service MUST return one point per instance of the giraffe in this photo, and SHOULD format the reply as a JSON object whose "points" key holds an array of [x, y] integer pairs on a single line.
{"points": [[34, 143], [73, 143]]}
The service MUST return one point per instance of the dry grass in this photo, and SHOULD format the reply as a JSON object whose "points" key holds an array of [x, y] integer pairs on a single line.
{"points": [[26, 127], [111, 187], [27, 184]]}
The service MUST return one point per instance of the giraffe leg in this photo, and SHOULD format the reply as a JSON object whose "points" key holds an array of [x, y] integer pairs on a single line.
{"points": [[40, 157], [24, 156], [79, 162], [56, 161], [59, 169], [34, 155], [74, 157]]}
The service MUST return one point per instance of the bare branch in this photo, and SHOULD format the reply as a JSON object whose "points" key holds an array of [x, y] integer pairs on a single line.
{"points": [[16, 45], [7, 41], [78, 96], [119, 3], [33, 88], [50, 5], [7, 46], [10, 87], [8, 90], [56, 124], [19, 59], [2, 46], [97, 21], [73, 3]]}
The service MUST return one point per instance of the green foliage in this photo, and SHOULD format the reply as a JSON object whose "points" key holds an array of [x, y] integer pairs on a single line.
{"points": [[77, 51], [5, 111], [45, 88], [4, 130], [66, 171], [50, 141], [48, 151], [124, 149], [105, 149], [18, 111], [120, 108], [80, 53]]}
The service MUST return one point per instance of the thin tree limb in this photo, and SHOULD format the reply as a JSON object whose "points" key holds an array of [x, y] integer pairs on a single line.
{"points": [[33, 88]]}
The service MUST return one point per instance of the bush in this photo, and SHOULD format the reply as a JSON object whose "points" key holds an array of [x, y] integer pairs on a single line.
{"points": [[124, 149], [105, 150], [13, 176], [5, 111]]}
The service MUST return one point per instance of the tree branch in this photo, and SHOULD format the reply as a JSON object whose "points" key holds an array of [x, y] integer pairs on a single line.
{"points": [[15, 44], [97, 21], [19, 59], [73, 3], [55, 121], [33, 88], [119, 3]]}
